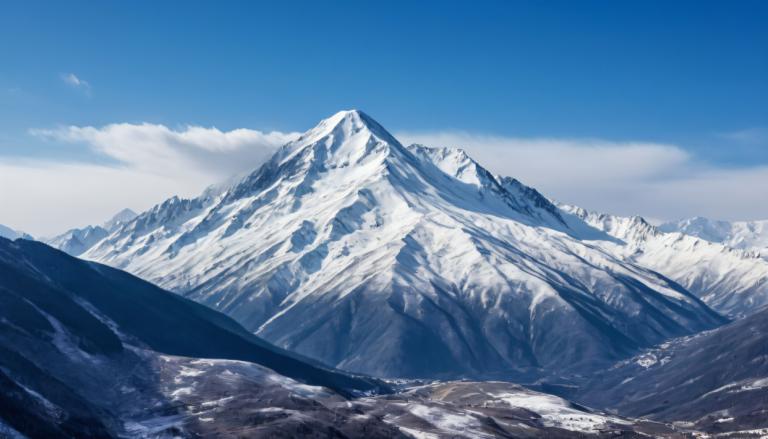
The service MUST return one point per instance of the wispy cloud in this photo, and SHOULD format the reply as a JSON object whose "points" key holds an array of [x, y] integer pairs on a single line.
{"points": [[151, 162], [749, 136], [49, 197], [652, 179], [161, 150], [73, 81]]}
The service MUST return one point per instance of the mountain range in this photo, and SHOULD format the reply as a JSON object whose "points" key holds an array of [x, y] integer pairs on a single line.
{"points": [[732, 281], [745, 235], [352, 249], [77, 241], [325, 292]]}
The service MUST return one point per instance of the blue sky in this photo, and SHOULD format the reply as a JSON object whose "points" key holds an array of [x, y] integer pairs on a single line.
{"points": [[691, 76]]}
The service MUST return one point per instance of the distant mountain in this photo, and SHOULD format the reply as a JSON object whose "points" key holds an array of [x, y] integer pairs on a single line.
{"points": [[744, 235], [716, 381], [87, 351], [733, 282], [78, 241], [8, 233], [350, 248], [119, 218]]}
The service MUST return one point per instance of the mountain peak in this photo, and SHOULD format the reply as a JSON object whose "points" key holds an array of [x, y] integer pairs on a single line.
{"points": [[342, 127], [121, 217]]}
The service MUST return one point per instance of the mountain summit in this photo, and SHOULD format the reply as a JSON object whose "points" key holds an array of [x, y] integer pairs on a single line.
{"points": [[352, 249]]}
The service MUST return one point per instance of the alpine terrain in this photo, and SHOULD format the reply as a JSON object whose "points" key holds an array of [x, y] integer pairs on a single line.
{"points": [[88, 351], [745, 235], [352, 249], [9, 233], [78, 241], [715, 381], [732, 281]]}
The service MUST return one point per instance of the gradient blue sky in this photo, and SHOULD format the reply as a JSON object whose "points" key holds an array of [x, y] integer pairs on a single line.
{"points": [[693, 74]]}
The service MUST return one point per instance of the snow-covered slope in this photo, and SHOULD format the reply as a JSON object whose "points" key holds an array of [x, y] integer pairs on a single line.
{"points": [[9, 233], [77, 241], [350, 248], [745, 235], [732, 281]]}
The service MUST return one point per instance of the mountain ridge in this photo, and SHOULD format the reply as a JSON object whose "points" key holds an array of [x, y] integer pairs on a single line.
{"points": [[77, 241], [715, 380], [743, 235], [733, 281]]}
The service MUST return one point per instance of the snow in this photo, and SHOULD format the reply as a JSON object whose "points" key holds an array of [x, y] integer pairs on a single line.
{"points": [[218, 402], [761, 433], [346, 213], [182, 391], [729, 279], [153, 426], [298, 388], [188, 372], [740, 386], [649, 359], [447, 422], [557, 412], [756, 384], [9, 233], [418, 434], [77, 241], [745, 235]]}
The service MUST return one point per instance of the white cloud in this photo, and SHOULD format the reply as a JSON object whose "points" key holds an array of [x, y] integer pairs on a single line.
{"points": [[72, 80], [46, 198], [157, 149], [661, 181], [152, 162]]}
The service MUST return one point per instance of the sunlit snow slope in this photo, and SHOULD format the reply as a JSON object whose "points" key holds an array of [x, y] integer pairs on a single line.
{"points": [[745, 235], [350, 248], [732, 281]]}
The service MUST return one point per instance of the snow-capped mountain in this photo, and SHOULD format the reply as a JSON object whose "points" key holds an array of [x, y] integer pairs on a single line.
{"points": [[744, 235], [352, 249], [9, 233], [732, 281], [77, 241]]}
